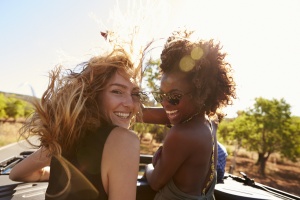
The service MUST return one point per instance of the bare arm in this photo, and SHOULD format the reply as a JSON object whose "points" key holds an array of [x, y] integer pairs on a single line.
{"points": [[121, 164], [33, 168], [155, 115], [173, 154]]}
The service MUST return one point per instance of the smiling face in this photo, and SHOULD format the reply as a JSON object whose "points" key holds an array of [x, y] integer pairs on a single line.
{"points": [[120, 100], [178, 83]]}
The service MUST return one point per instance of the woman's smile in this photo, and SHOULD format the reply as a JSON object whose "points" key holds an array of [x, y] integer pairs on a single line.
{"points": [[172, 114], [123, 115]]}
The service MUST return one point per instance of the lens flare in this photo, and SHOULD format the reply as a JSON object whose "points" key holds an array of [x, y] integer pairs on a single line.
{"points": [[197, 53], [186, 63]]}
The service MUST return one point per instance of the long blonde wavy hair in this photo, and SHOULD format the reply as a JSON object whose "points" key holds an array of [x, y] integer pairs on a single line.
{"points": [[68, 108]]}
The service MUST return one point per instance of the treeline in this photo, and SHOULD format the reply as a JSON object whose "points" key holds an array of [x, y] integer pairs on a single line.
{"points": [[12, 107]]}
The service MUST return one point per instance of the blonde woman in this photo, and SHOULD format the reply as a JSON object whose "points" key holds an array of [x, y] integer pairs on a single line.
{"points": [[82, 121]]}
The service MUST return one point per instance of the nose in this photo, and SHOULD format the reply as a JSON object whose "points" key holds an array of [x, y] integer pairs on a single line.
{"points": [[165, 102], [128, 101]]}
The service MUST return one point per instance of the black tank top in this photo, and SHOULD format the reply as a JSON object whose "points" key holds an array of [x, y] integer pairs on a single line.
{"points": [[83, 166]]}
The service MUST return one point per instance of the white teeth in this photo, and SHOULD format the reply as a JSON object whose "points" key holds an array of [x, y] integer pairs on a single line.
{"points": [[122, 115], [171, 112]]}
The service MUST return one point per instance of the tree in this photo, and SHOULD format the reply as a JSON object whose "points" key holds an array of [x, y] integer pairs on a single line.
{"points": [[3, 106], [225, 130], [151, 74], [15, 107], [151, 79], [267, 128], [291, 148]]}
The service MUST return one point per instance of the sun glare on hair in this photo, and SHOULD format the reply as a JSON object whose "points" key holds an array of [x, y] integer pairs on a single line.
{"points": [[197, 53], [186, 63]]}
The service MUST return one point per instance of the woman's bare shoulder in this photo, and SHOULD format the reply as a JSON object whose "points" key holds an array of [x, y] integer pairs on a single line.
{"points": [[122, 143], [124, 132], [191, 135], [123, 136]]}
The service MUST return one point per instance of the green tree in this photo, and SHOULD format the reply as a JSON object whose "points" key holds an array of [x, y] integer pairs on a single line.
{"points": [[151, 74], [291, 147], [3, 106], [225, 130], [15, 107], [267, 128], [28, 109]]}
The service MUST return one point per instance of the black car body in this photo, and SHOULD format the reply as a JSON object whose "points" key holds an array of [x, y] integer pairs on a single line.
{"points": [[233, 187]]}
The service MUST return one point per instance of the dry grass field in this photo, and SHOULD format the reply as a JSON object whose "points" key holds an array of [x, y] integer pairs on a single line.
{"points": [[280, 174], [9, 132]]}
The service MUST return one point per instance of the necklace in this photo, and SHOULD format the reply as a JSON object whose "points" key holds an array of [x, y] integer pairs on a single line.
{"points": [[190, 118]]}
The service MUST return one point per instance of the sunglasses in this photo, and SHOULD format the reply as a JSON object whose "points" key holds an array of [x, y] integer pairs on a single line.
{"points": [[172, 97]]}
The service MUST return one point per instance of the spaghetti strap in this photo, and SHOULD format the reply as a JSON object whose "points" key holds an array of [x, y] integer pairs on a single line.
{"points": [[212, 161]]}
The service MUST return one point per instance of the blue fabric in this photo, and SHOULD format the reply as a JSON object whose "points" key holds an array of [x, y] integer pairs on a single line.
{"points": [[222, 155]]}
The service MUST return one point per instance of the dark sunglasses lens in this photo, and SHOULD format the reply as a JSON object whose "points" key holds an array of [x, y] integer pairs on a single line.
{"points": [[174, 101], [171, 98]]}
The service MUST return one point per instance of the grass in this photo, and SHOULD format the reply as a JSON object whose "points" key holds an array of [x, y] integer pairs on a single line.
{"points": [[9, 133]]}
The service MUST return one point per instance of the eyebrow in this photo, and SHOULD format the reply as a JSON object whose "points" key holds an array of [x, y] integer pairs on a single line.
{"points": [[123, 86]]}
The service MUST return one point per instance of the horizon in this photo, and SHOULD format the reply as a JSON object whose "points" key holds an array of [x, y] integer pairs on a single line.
{"points": [[261, 38]]}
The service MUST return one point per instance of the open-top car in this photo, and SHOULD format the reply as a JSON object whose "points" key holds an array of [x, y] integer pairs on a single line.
{"points": [[232, 188]]}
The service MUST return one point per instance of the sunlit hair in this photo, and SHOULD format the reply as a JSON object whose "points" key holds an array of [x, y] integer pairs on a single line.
{"points": [[205, 66], [69, 108]]}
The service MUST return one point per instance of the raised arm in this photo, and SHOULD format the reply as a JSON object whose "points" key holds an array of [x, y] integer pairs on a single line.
{"points": [[155, 115]]}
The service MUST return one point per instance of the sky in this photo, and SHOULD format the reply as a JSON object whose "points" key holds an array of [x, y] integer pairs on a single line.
{"points": [[261, 38]]}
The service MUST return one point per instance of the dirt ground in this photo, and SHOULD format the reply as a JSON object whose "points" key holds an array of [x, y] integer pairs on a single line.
{"points": [[282, 175]]}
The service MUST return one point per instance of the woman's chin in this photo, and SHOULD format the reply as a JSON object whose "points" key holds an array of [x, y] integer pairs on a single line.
{"points": [[124, 123]]}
